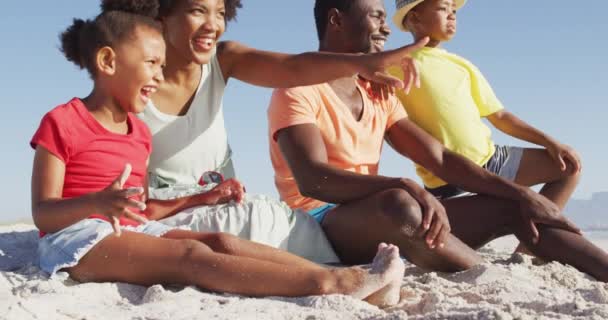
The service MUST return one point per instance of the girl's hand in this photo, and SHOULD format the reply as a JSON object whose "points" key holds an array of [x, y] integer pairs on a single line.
{"points": [[114, 201], [229, 190]]}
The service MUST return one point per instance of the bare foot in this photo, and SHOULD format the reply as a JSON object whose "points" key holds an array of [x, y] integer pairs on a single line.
{"points": [[390, 295]]}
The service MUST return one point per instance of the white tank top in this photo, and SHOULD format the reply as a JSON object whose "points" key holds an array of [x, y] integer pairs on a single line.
{"points": [[184, 147]]}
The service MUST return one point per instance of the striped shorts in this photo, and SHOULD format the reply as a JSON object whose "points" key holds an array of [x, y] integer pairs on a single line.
{"points": [[504, 162]]}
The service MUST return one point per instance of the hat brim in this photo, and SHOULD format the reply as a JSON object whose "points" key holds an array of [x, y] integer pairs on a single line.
{"points": [[401, 13]]}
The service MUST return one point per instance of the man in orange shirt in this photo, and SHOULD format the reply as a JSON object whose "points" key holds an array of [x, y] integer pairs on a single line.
{"points": [[325, 145]]}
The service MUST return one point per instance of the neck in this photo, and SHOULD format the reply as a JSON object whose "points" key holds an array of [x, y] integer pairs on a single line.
{"points": [[180, 71], [344, 85], [330, 44], [105, 108], [432, 42]]}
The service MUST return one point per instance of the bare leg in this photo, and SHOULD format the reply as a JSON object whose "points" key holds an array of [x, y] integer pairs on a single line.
{"points": [[477, 220], [538, 167], [145, 260], [232, 245], [355, 229]]}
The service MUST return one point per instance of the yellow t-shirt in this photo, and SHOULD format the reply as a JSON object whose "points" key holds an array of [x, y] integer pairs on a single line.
{"points": [[449, 105], [350, 144]]}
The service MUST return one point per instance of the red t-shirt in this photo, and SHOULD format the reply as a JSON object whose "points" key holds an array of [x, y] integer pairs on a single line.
{"points": [[94, 157]]}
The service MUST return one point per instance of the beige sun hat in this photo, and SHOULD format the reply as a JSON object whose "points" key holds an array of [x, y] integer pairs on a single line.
{"points": [[404, 6]]}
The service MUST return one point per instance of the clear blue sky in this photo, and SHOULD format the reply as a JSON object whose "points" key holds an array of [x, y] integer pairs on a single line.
{"points": [[546, 61]]}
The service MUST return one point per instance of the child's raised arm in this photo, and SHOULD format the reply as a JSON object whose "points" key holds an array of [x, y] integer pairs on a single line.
{"points": [[52, 213]]}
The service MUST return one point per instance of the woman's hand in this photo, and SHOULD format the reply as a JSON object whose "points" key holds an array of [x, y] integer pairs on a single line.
{"points": [[374, 66], [229, 190]]}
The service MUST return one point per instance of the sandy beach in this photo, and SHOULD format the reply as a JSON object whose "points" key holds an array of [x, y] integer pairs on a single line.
{"points": [[509, 287]]}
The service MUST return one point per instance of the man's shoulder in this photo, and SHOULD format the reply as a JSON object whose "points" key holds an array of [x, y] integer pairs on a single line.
{"points": [[303, 94], [315, 89]]}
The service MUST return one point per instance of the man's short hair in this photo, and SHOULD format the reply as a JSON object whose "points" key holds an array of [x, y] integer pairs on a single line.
{"points": [[322, 7]]}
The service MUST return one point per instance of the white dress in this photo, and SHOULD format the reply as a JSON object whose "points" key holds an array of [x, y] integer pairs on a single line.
{"points": [[185, 147]]}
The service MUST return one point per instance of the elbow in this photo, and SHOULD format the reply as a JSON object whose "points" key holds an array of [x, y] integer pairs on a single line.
{"points": [[36, 216], [41, 220], [312, 186], [309, 190]]}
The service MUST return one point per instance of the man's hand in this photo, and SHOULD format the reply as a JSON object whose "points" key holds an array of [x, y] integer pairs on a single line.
{"points": [[435, 222], [536, 208]]}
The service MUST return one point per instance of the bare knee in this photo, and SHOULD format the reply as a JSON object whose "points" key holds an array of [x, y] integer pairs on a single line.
{"points": [[571, 172], [401, 208], [188, 249], [223, 242], [81, 274]]}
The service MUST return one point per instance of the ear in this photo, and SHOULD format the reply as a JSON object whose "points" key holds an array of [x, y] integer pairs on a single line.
{"points": [[105, 61], [334, 18], [411, 20]]}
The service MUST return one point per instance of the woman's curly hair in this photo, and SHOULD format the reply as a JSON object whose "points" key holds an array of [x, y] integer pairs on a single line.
{"points": [[231, 6], [147, 8], [161, 8]]}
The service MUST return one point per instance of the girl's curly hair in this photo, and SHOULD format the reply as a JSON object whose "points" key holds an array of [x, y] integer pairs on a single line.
{"points": [[81, 41]]}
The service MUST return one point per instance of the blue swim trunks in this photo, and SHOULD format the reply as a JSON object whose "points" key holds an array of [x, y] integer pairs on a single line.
{"points": [[320, 212]]}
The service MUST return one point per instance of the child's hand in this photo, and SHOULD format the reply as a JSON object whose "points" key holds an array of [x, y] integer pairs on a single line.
{"points": [[562, 153], [376, 64], [114, 201], [224, 192]]}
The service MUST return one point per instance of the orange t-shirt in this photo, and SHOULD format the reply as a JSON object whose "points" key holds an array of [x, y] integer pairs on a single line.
{"points": [[351, 145]]}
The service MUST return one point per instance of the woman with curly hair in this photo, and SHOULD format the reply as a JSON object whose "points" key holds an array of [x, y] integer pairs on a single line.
{"points": [[185, 115]]}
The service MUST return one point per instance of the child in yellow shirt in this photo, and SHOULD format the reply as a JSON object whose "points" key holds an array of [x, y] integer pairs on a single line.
{"points": [[454, 97]]}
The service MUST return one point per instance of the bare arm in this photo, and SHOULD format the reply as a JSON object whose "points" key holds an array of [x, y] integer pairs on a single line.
{"points": [[305, 152], [279, 70], [413, 142], [515, 127], [223, 193], [304, 149], [52, 213], [510, 124]]}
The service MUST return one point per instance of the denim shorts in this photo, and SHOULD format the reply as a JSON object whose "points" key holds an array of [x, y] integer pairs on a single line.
{"points": [[65, 248], [320, 212], [504, 162]]}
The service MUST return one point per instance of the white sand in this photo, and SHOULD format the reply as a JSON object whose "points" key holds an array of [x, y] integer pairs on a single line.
{"points": [[510, 288]]}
